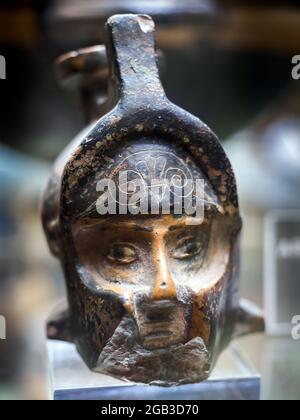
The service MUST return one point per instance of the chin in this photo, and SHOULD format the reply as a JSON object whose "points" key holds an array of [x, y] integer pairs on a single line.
{"points": [[125, 357]]}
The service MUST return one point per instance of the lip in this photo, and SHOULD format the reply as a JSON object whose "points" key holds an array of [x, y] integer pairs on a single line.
{"points": [[161, 324], [158, 334], [160, 339]]}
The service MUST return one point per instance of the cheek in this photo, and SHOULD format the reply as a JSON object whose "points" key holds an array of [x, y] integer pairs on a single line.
{"points": [[95, 256], [200, 323], [200, 275], [137, 273], [207, 313]]}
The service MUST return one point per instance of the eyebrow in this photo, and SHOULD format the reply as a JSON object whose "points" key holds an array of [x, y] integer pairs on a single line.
{"points": [[124, 224], [140, 228], [134, 226], [176, 227]]}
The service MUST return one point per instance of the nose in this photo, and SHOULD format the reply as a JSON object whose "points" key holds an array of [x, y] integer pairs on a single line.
{"points": [[163, 287]]}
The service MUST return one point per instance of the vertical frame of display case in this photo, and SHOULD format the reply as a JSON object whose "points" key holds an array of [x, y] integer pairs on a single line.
{"points": [[281, 253]]}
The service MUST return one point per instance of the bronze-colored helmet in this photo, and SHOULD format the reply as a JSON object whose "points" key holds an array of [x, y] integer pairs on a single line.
{"points": [[153, 297]]}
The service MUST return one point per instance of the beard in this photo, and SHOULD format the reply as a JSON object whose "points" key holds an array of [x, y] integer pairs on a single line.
{"points": [[125, 357]]}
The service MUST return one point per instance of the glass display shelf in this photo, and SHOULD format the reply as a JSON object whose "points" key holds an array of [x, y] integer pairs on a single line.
{"points": [[233, 379]]}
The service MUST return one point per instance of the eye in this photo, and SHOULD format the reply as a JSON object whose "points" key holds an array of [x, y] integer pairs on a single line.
{"points": [[187, 248], [122, 253]]}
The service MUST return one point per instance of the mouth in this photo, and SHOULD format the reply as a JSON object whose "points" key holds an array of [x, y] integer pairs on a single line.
{"points": [[125, 357], [161, 324]]}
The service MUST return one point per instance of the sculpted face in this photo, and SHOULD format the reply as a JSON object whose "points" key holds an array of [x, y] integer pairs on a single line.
{"points": [[161, 268], [143, 214], [153, 298], [157, 260]]}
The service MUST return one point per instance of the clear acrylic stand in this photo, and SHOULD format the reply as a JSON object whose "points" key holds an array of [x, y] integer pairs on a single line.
{"points": [[70, 379]]}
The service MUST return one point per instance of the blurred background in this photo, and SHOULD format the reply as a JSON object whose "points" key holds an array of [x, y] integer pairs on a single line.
{"points": [[228, 62]]}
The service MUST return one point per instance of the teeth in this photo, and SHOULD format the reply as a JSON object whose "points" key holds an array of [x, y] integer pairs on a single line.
{"points": [[158, 334], [160, 339], [159, 326], [160, 323], [157, 321]]}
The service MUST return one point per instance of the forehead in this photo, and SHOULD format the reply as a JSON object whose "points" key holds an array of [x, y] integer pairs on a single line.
{"points": [[142, 224], [151, 162], [152, 158]]}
